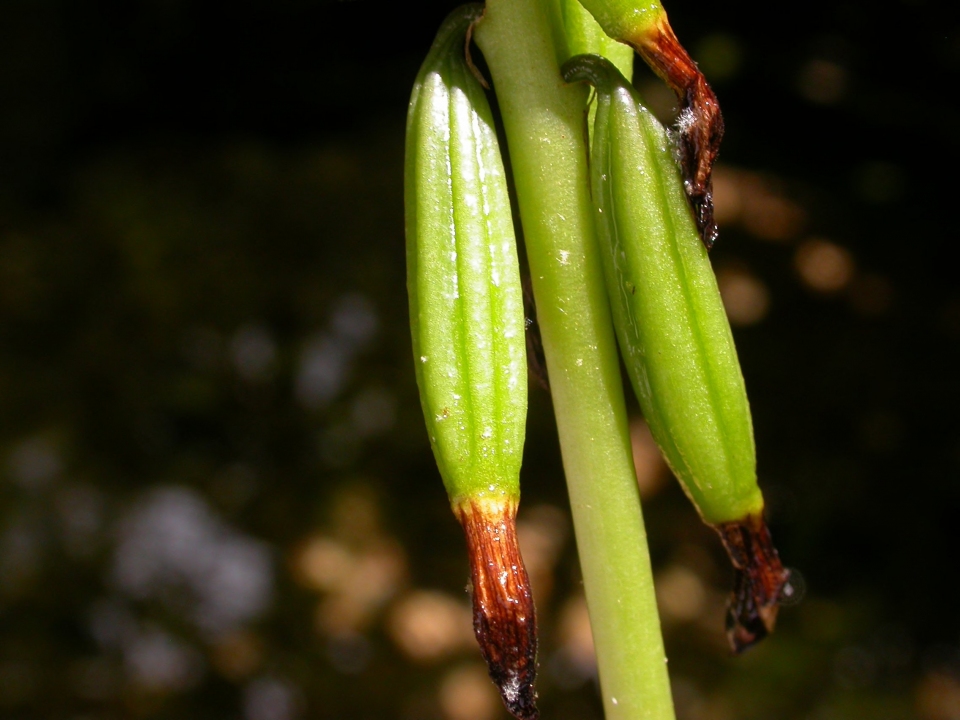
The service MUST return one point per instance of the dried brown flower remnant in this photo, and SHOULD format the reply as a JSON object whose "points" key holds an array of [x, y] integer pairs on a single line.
{"points": [[503, 614], [700, 124], [759, 581]]}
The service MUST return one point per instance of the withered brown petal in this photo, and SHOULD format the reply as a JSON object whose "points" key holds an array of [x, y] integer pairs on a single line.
{"points": [[759, 581], [504, 619], [700, 124]]}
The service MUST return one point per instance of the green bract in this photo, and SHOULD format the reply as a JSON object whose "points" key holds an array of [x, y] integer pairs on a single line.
{"points": [[466, 305], [668, 315]]}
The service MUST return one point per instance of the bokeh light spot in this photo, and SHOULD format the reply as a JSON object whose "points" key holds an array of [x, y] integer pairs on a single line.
{"points": [[427, 625], [322, 564], [576, 635], [648, 462], [938, 697], [466, 693], [822, 81], [269, 698], [824, 266], [757, 203], [542, 532], [745, 296], [237, 655], [681, 594]]}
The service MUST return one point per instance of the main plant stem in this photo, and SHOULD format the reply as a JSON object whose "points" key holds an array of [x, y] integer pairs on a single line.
{"points": [[543, 119]]}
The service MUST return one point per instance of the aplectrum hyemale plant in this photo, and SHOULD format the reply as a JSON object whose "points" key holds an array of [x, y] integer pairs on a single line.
{"points": [[617, 219]]}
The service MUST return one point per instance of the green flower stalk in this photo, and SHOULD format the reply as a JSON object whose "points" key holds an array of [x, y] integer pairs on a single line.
{"points": [[543, 123], [582, 34], [467, 322], [675, 337], [643, 25]]}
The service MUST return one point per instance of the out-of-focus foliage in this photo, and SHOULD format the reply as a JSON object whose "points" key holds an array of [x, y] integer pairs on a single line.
{"points": [[216, 493]]}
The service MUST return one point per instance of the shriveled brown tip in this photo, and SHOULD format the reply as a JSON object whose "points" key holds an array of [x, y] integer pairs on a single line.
{"points": [[701, 129], [700, 125], [758, 584], [503, 614]]}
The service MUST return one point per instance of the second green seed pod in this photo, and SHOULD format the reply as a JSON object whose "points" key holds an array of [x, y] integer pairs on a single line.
{"points": [[675, 336]]}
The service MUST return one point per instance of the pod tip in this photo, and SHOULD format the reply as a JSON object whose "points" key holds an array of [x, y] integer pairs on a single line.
{"points": [[759, 581], [504, 620]]}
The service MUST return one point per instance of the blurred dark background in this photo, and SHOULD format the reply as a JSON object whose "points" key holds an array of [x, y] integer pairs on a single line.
{"points": [[216, 495]]}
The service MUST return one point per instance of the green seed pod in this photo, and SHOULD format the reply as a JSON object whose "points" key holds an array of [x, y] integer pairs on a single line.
{"points": [[467, 322], [675, 336]]}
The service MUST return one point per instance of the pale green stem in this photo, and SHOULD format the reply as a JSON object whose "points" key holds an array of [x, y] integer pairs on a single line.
{"points": [[543, 119]]}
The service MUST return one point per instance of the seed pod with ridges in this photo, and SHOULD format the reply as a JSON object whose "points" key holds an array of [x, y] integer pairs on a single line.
{"points": [[676, 339], [467, 322]]}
